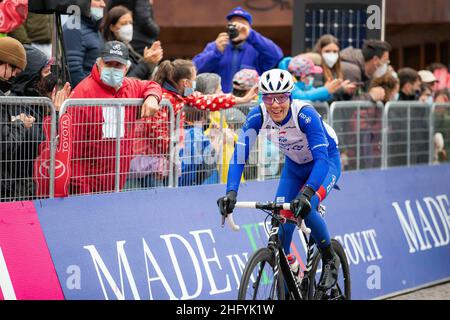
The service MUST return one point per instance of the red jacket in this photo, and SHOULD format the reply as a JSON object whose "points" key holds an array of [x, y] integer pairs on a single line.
{"points": [[154, 132], [93, 155]]}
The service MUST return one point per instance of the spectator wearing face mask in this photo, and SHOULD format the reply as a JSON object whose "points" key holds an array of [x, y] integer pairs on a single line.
{"points": [[118, 25], [145, 29], [409, 84], [95, 128], [361, 66], [304, 70], [239, 48], [14, 123], [328, 48], [83, 43]]}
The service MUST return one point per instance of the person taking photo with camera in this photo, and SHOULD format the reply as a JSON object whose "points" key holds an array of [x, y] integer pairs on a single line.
{"points": [[240, 47]]}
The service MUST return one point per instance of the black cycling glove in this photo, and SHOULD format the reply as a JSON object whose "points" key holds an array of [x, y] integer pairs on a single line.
{"points": [[226, 204], [301, 206]]}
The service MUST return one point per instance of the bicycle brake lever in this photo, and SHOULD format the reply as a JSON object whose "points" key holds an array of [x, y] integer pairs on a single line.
{"points": [[223, 221]]}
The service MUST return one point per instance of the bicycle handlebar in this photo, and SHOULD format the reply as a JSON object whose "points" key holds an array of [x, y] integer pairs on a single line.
{"points": [[263, 206]]}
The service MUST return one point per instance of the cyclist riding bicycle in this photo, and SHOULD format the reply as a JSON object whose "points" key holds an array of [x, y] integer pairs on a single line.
{"points": [[312, 163]]}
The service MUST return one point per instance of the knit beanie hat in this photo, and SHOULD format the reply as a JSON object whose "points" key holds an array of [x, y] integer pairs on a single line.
{"points": [[12, 52]]}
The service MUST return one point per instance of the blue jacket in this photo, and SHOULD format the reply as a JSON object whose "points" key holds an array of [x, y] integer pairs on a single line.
{"points": [[194, 169], [300, 92], [257, 53], [83, 46]]}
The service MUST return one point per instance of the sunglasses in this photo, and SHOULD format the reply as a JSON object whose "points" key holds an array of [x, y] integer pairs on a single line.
{"points": [[280, 98]]}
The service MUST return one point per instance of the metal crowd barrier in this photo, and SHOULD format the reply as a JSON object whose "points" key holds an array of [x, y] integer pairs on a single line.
{"points": [[358, 125], [114, 150], [406, 133], [22, 134]]}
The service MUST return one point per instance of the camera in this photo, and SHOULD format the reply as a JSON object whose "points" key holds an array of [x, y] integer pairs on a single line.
{"points": [[232, 31]]}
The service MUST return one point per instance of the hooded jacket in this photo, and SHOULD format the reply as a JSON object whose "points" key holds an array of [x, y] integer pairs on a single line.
{"points": [[22, 143], [93, 152], [12, 137]]}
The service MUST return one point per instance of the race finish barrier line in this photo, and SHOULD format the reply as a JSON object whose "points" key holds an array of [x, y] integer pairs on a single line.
{"points": [[167, 244]]}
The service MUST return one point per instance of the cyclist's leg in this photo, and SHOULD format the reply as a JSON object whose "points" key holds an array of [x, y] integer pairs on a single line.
{"points": [[314, 221], [288, 188], [319, 230]]}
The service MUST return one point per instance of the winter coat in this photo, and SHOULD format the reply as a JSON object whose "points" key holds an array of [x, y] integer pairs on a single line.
{"points": [[82, 47], [352, 64], [23, 143], [257, 52], [94, 152], [12, 136], [37, 28], [145, 29]]}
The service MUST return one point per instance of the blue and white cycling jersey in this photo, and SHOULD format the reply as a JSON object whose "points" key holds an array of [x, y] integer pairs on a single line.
{"points": [[302, 136]]}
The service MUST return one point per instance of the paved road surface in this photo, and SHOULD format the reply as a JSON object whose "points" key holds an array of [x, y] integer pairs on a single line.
{"points": [[439, 292]]}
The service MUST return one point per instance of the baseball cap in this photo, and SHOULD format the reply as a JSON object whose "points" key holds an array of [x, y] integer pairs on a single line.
{"points": [[303, 66], [239, 12], [245, 79], [115, 51], [427, 76]]}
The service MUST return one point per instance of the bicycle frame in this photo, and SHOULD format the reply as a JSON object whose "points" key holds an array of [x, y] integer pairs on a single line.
{"points": [[274, 244]]}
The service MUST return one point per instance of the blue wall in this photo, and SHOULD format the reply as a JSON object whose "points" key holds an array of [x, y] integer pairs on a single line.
{"points": [[161, 244]]}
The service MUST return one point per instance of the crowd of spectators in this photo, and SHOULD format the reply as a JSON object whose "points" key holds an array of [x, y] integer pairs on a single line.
{"points": [[115, 53]]}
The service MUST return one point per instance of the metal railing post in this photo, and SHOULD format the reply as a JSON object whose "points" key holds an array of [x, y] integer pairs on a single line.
{"points": [[174, 135], [118, 133], [431, 134]]}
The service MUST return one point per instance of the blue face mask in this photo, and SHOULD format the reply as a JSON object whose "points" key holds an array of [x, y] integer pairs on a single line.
{"points": [[96, 13], [113, 77], [189, 91]]}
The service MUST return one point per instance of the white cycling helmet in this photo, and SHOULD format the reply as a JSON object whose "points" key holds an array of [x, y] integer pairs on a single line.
{"points": [[276, 81]]}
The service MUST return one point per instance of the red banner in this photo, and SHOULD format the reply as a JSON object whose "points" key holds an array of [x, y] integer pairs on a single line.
{"points": [[41, 172]]}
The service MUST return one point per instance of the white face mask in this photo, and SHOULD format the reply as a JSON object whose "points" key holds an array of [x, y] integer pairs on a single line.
{"points": [[126, 33], [381, 70], [330, 58], [96, 13]]}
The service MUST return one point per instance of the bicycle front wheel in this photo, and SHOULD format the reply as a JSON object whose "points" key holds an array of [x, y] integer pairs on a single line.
{"points": [[259, 280]]}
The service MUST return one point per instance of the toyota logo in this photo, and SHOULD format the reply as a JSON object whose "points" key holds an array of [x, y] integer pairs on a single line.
{"points": [[44, 169]]}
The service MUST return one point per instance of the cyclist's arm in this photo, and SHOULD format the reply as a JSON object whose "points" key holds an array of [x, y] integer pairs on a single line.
{"points": [[311, 124], [246, 139]]}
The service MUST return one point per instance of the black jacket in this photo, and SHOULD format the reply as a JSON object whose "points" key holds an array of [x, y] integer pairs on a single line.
{"points": [[145, 29], [139, 68], [20, 145], [13, 137]]}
